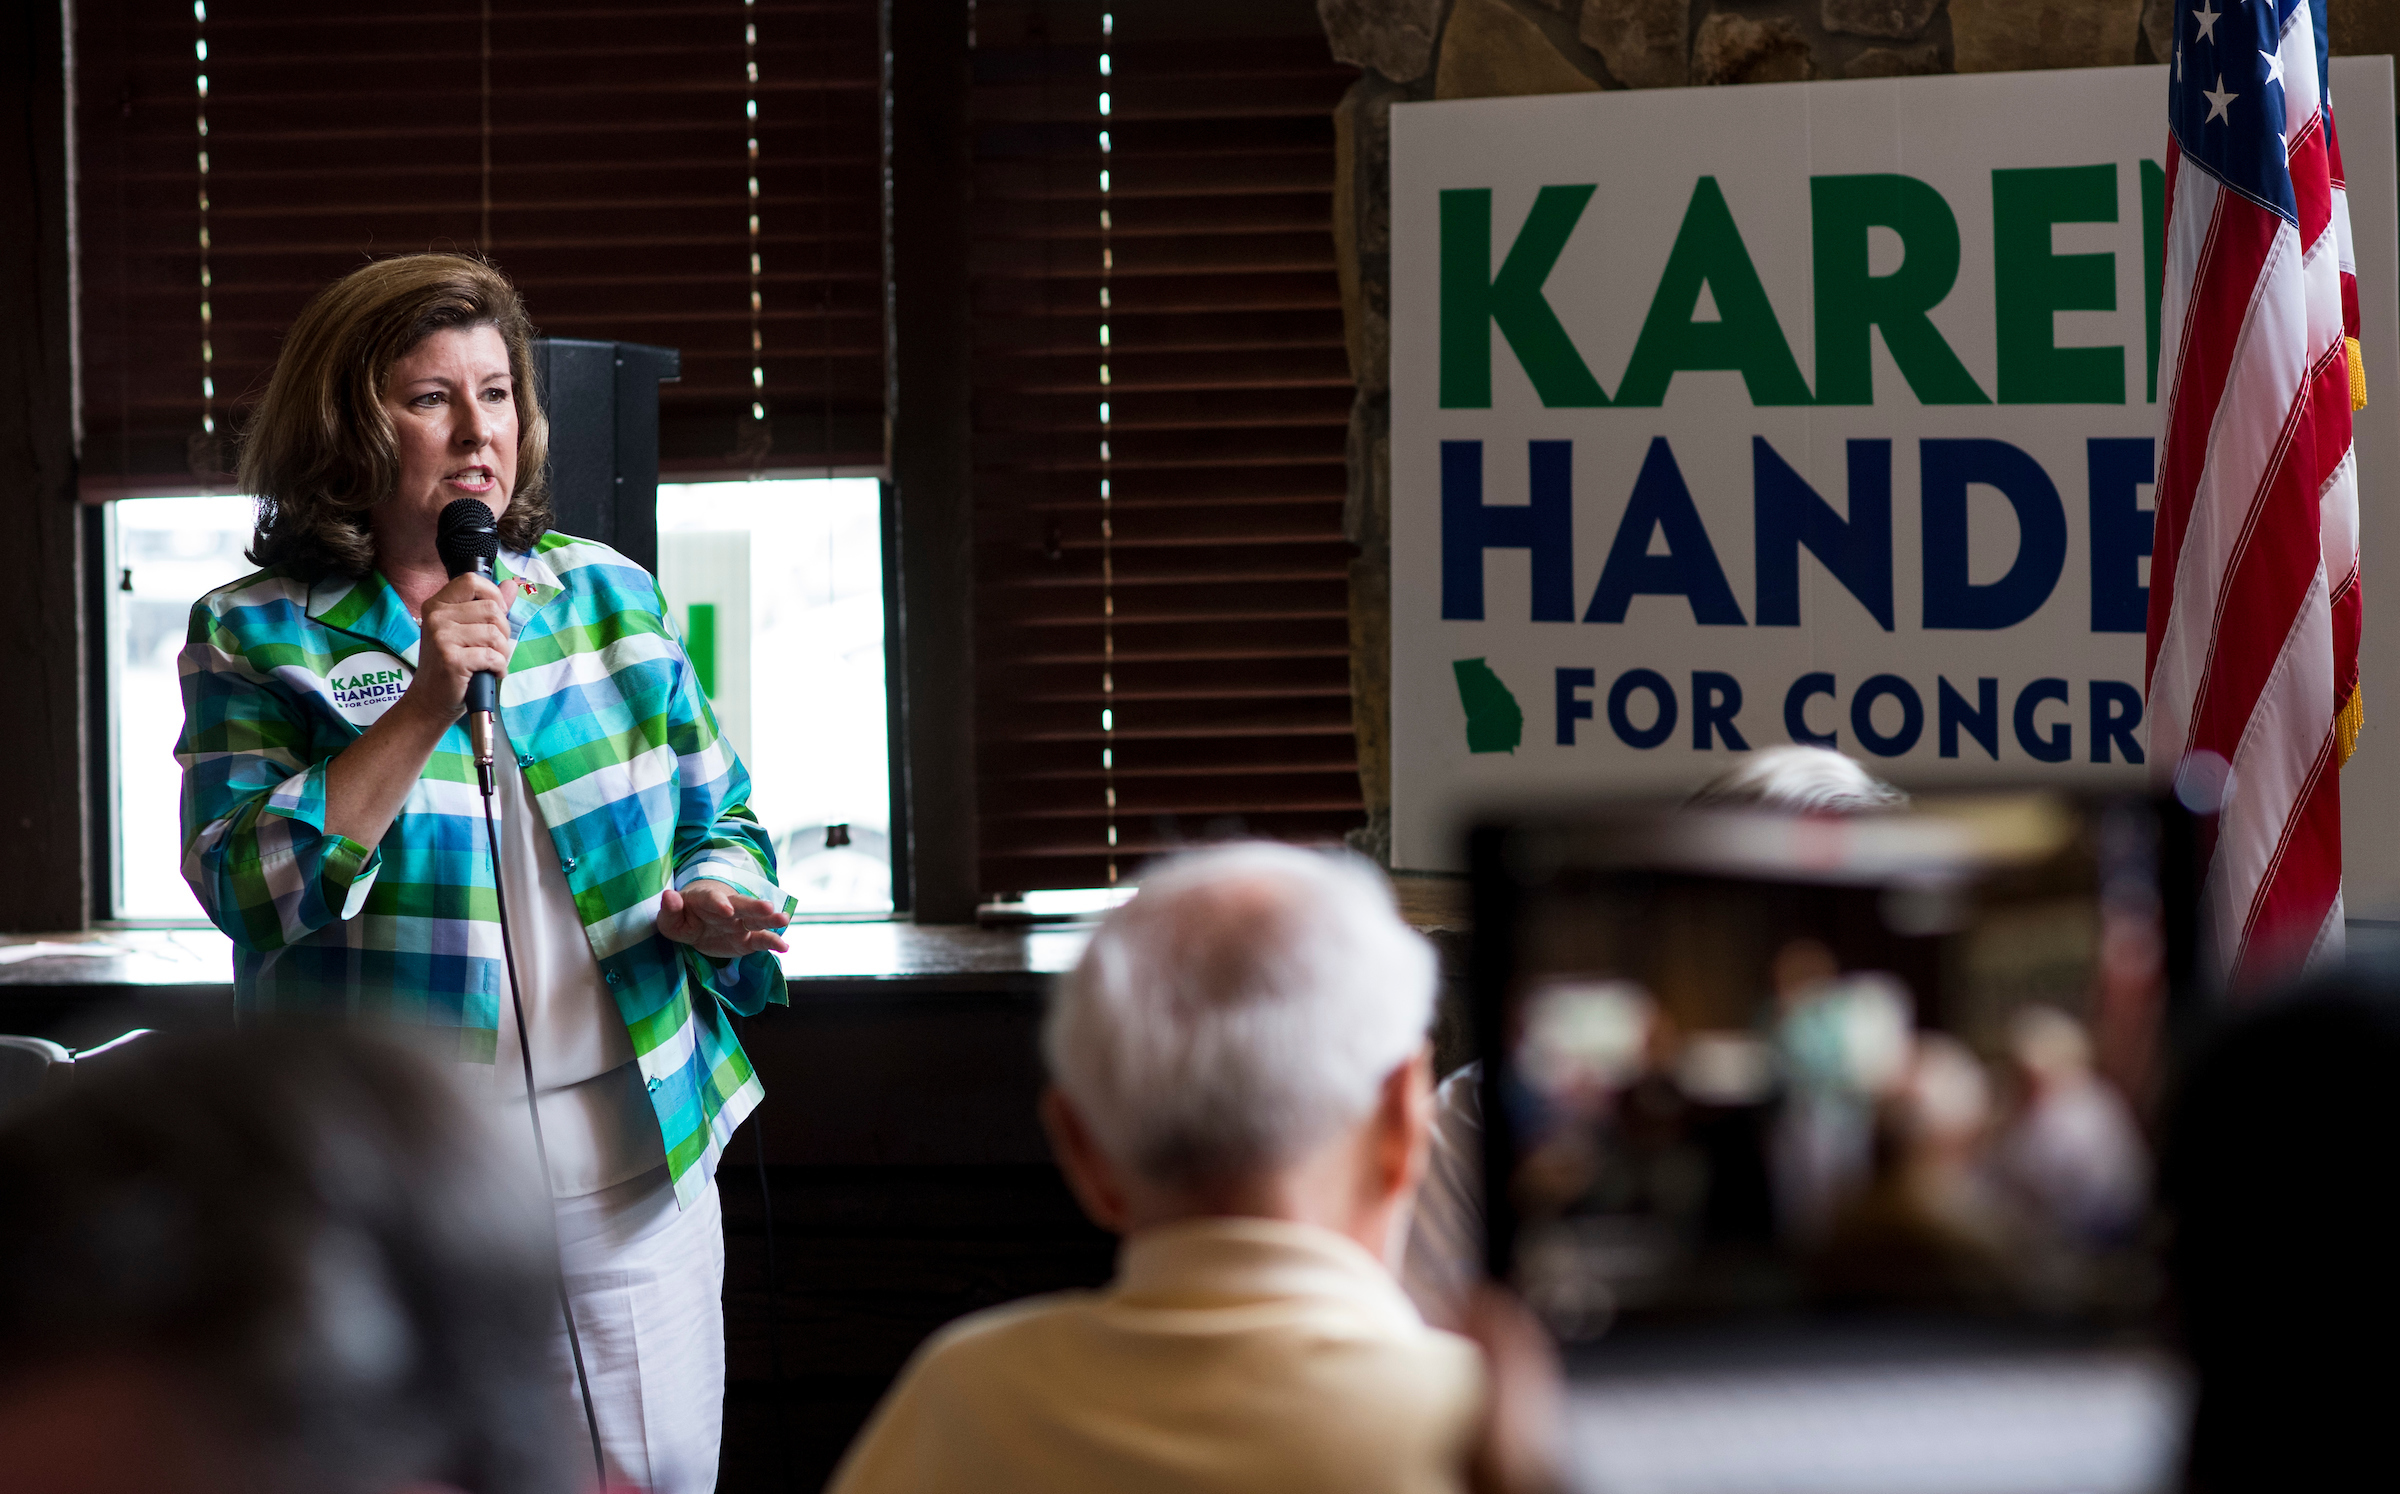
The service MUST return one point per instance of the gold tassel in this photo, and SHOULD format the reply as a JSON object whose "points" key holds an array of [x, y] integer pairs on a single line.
{"points": [[2352, 718]]}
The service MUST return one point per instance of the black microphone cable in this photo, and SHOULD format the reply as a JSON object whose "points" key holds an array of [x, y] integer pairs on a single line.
{"points": [[533, 1108], [467, 539]]}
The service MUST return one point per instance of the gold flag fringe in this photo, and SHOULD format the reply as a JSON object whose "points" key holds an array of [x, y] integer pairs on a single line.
{"points": [[2352, 718]]}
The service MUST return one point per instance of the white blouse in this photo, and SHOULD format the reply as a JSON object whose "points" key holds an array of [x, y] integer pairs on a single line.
{"points": [[597, 1123]]}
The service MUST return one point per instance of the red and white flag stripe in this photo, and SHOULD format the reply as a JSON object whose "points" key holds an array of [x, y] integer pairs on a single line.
{"points": [[2254, 576]]}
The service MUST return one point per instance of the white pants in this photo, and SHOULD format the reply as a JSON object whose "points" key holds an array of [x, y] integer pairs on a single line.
{"points": [[647, 1283]]}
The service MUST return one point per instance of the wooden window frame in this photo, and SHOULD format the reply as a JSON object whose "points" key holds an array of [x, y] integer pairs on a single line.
{"points": [[46, 875]]}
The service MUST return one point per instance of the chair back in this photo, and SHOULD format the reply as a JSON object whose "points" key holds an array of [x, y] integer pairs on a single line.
{"points": [[27, 1065]]}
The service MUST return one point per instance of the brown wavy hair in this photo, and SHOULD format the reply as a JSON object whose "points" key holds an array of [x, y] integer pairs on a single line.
{"points": [[320, 453]]}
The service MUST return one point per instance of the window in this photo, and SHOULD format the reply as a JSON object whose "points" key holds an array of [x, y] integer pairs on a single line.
{"points": [[164, 554], [1161, 404], [776, 587], [701, 177]]}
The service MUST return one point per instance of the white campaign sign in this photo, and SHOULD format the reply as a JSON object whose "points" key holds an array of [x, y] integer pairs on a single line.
{"points": [[1724, 417]]}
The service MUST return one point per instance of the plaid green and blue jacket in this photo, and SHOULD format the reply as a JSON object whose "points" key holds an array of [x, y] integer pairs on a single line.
{"points": [[617, 745]]}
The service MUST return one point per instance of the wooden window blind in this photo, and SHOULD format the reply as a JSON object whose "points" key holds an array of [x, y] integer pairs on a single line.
{"points": [[617, 197], [1168, 662]]}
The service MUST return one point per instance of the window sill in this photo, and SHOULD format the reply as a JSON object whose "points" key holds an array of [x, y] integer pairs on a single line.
{"points": [[865, 954]]}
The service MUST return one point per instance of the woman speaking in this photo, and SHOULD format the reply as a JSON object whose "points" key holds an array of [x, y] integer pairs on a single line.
{"points": [[332, 826]]}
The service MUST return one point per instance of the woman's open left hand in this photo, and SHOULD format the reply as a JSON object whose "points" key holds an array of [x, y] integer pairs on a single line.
{"points": [[719, 922]]}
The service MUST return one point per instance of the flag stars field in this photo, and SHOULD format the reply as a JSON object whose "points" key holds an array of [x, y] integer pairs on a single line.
{"points": [[2218, 101]]}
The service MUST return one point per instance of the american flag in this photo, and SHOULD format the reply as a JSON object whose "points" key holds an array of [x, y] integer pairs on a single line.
{"points": [[2254, 596]]}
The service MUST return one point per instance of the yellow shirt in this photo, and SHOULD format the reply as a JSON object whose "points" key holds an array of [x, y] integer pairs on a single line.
{"points": [[1247, 1355]]}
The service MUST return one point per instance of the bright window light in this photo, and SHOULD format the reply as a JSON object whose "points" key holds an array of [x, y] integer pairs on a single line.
{"points": [[1076, 902], [777, 588], [164, 555]]}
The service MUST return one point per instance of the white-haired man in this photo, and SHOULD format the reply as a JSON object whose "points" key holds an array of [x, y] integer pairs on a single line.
{"points": [[1240, 1087]]}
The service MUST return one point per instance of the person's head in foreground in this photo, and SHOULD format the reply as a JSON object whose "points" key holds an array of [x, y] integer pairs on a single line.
{"points": [[280, 1263], [1241, 1088], [2281, 1145], [1247, 1036], [1799, 780]]}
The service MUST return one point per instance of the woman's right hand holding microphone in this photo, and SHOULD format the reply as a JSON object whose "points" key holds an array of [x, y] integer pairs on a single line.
{"points": [[465, 631]]}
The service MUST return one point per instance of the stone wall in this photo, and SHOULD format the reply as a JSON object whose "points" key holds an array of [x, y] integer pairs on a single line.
{"points": [[1456, 49]]}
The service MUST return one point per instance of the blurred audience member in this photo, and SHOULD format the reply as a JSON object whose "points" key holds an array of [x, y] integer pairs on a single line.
{"points": [[1445, 1250], [281, 1263], [1799, 780], [1240, 1089], [2278, 1179], [1928, 1230], [1443, 1263], [2073, 1148], [1844, 1042]]}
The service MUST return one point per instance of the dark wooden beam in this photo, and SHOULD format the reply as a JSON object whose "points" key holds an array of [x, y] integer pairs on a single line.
{"points": [[45, 867], [926, 164]]}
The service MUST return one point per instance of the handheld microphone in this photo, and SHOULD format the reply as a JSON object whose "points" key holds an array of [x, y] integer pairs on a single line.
{"points": [[468, 539]]}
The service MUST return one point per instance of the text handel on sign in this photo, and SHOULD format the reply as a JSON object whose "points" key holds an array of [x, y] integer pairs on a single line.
{"points": [[1727, 417]]}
